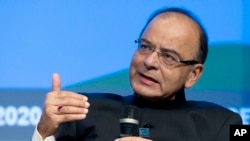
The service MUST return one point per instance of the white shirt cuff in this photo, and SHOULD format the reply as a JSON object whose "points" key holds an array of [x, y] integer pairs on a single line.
{"points": [[37, 137]]}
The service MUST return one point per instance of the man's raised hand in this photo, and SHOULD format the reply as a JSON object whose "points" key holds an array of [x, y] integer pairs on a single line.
{"points": [[61, 106]]}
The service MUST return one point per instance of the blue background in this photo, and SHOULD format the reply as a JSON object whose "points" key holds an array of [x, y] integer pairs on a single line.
{"points": [[89, 42]]}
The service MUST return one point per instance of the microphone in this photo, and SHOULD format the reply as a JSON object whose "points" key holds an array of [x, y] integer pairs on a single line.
{"points": [[129, 121]]}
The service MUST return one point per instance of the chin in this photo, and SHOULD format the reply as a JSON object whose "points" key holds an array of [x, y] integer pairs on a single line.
{"points": [[146, 91]]}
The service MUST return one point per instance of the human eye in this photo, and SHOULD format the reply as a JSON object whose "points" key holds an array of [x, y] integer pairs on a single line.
{"points": [[169, 57], [145, 47]]}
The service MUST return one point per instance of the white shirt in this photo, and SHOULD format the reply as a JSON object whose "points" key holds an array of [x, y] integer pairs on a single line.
{"points": [[37, 137]]}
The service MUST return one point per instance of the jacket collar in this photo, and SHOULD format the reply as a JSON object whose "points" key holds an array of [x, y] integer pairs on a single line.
{"points": [[178, 102]]}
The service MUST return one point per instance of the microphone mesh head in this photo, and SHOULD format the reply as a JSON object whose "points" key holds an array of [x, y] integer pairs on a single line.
{"points": [[130, 111]]}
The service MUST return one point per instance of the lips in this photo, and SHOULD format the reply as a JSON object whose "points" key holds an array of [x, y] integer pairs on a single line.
{"points": [[148, 78]]}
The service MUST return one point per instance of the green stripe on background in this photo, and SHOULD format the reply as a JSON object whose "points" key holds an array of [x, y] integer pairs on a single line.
{"points": [[114, 82], [227, 68]]}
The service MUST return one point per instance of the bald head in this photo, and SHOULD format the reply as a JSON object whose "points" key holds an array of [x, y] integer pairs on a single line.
{"points": [[190, 20]]}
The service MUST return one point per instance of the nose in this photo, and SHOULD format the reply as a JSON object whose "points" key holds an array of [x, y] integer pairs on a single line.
{"points": [[152, 61]]}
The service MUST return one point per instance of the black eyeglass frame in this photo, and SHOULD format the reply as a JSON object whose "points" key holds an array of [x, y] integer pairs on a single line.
{"points": [[186, 62]]}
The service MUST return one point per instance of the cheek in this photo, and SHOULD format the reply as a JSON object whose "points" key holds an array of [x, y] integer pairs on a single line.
{"points": [[136, 62], [135, 65], [165, 78], [132, 67], [173, 79]]}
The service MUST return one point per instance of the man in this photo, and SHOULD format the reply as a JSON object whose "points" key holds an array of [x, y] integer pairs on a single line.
{"points": [[172, 49]]}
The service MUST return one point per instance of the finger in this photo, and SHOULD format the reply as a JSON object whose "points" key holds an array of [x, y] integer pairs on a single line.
{"points": [[70, 110], [68, 94], [70, 117], [71, 102], [132, 139], [56, 82], [66, 98]]}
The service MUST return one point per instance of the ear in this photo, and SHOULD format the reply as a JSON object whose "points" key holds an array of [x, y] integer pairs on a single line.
{"points": [[194, 75]]}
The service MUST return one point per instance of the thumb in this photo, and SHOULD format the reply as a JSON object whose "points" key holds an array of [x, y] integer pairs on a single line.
{"points": [[56, 82]]}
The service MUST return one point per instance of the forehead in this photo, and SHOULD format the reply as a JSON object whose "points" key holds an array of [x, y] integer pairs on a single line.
{"points": [[174, 31]]}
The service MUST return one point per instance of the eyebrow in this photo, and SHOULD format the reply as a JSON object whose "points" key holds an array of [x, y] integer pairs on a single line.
{"points": [[163, 49]]}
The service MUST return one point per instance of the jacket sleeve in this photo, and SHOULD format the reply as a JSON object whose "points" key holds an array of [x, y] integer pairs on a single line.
{"points": [[66, 132]]}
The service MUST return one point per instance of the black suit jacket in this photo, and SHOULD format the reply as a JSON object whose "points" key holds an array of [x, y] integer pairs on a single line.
{"points": [[178, 120]]}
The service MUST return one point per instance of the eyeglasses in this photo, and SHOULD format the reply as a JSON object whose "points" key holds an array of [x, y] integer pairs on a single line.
{"points": [[166, 57]]}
